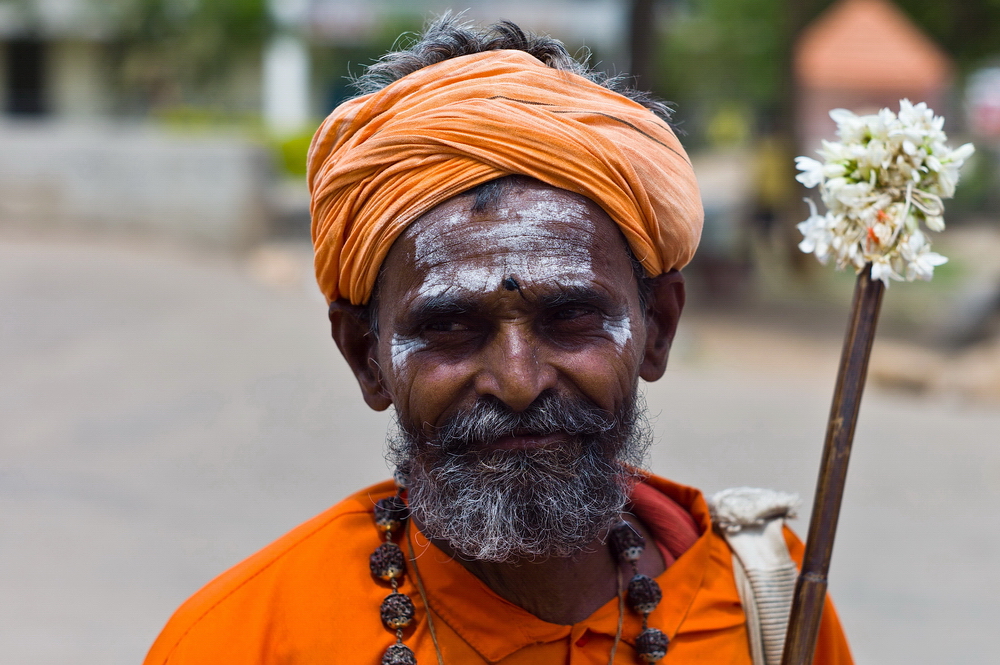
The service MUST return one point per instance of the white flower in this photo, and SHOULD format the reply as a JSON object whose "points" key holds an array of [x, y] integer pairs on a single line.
{"points": [[950, 165], [935, 222], [850, 194], [882, 232], [961, 153], [882, 269], [885, 174], [812, 171], [817, 234], [920, 260], [915, 116], [876, 154], [850, 128], [947, 180]]}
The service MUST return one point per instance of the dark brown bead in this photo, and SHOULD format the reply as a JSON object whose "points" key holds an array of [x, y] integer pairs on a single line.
{"points": [[626, 543], [390, 514], [643, 594], [399, 654], [397, 611], [651, 645], [387, 562]]}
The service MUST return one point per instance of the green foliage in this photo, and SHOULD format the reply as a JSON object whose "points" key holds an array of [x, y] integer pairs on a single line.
{"points": [[968, 30], [727, 45], [175, 52], [722, 51], [292, 151], [189, 119], [230, 23]]}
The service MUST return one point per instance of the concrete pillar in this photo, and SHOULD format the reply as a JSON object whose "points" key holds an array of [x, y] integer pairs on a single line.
{"points": [[286, 85], [78, 75]]}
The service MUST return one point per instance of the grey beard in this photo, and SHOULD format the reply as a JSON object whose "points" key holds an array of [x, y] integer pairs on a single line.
{"points": [[514, 505]]}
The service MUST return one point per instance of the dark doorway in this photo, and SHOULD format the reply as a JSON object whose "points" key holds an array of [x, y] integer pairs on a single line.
{"points": [[26, 77]]}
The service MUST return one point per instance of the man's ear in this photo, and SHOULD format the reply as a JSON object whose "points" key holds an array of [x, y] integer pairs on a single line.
{"points": [[352, 332], [663, 311]]}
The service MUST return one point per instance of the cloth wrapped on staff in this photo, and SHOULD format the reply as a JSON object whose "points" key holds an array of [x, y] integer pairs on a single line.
{"points": [[380, 161]]}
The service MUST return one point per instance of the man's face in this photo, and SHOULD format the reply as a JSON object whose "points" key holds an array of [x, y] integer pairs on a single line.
{"points": [[534, 295], [510, 341]]}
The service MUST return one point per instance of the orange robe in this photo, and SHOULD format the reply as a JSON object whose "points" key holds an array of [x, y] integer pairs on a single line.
{"points": [[309, 598]]}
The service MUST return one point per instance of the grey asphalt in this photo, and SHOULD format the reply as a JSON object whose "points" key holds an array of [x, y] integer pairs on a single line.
{"points": [[165, 413]]}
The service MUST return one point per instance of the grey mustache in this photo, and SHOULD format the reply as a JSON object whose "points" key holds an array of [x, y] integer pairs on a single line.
{"points": [[490, 420]]}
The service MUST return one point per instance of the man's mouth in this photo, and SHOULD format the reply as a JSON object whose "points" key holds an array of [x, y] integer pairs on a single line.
{"points": [[528, 441]]}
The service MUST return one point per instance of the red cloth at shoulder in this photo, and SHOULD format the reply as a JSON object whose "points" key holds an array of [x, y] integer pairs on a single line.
{"points": [[673, 528]]}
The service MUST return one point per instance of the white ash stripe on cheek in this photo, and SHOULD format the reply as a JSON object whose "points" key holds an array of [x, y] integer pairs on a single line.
{"points": [[401, 348], [620, 331]]}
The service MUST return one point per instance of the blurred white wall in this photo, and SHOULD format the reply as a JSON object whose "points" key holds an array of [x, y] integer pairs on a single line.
{"points": [[202, 190]]}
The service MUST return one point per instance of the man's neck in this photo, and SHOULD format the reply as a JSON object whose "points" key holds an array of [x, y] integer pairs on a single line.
{"points": [[562, 590]]}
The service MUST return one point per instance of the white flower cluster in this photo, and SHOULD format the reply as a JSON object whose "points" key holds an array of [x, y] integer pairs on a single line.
{"points": [[885, 174]]}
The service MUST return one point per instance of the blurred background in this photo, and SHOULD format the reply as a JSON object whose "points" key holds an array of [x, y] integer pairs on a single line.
{"points": [[170, 399]]}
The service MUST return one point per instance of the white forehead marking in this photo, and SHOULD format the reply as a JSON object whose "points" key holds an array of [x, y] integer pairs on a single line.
{"points": [[522, 244]]}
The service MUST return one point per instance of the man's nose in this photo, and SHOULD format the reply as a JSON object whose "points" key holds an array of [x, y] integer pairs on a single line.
{"points": [[515, 368]]}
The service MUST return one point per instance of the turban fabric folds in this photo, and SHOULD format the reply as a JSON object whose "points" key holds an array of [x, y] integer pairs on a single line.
{"points": [[380, 161]]}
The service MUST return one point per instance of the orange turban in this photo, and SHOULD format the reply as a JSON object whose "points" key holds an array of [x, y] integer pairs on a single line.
{"points": [[380, 161]]}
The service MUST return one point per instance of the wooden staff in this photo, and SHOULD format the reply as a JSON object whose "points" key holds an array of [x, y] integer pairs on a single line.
{"points": [[810, 588]]}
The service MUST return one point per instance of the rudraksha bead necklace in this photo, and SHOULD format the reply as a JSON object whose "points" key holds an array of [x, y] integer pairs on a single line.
{"points": [[388, 563], [643, 593]]}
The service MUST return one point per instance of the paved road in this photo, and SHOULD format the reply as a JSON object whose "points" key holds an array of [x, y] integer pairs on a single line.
{"points": [[164, 414]]}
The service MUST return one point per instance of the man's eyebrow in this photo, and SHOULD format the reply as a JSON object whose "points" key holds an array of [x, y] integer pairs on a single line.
{"points": [[440, 305], [429, 307], [580, 295]]}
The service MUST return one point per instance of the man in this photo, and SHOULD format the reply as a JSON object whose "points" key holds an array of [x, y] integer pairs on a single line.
{"points": [[498, 234]]}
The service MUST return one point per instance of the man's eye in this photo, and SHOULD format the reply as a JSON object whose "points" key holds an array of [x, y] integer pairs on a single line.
{"points": [[571, 313], [445, 325]]}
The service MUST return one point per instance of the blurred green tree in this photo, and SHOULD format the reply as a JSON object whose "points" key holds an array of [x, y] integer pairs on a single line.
{"points": [[175, 53], [713, 52], [720, 58], [716, 52], [968, 30]]}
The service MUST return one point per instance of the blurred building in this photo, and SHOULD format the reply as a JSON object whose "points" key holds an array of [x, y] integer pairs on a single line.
{"points": [[598, 23], [864, 55], [52, 58], [73, 158], [86, 85], [58, 57]]}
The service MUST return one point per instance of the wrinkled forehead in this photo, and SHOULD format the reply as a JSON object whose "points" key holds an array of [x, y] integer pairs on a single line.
{"points": [[532, 239], [519, 227], [533, 231]]}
